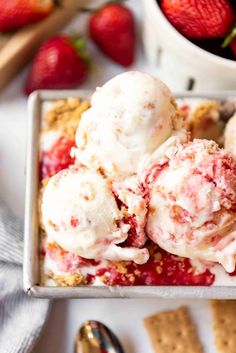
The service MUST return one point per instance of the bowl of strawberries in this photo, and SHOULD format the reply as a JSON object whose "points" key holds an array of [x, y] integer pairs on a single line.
{"points": [[194, 42]]}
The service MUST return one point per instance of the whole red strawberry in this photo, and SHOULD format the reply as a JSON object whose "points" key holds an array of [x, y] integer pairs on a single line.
{"points": [[18, 13], [199, 19], [59, 63], [113, 30]]}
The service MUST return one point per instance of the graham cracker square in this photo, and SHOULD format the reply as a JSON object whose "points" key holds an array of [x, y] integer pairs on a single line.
{"points": [[224, 325], [173, 332]]}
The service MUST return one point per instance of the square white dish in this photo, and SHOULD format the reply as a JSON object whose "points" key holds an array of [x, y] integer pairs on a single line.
{"points": [[31, 257]]}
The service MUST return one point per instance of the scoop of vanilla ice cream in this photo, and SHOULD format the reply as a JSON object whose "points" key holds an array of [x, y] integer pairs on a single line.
{"points": [[130, 116], [192, 209], [80, 213], [230, 135]]}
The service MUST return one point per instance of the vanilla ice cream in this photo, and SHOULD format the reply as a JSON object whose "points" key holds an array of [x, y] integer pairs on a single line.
{"points": [[230, 135], [192, 202], [80, 213], [130, 116]]}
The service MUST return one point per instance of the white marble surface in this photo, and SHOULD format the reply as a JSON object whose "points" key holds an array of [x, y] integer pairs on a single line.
{"points": [[123, 316]]}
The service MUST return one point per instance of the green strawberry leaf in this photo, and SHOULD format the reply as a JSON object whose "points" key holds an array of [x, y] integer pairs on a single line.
{"points": [[86, 9], [79, 43], [229, 38]]}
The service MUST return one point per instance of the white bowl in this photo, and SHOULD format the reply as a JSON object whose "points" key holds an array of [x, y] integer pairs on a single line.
{"points": [[183, 64]]}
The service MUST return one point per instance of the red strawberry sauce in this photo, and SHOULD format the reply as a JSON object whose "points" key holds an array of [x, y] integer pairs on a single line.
{"points": [[57, 158], [161, 269]]}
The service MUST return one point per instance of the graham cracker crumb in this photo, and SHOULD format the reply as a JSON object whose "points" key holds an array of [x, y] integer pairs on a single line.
{"points": [[70, 280], [173, 332], [204, 122], [65, 116], [159, 269], [224, 325], [130, 277], [158, 257], [137, 272], [121, 268]]}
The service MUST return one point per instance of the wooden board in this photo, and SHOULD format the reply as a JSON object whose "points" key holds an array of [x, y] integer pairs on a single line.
{"points": [[17, 49]]}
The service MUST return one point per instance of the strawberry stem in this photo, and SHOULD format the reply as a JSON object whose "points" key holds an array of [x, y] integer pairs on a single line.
{"points": [[229, 38], [86, 9], [79, 43]]}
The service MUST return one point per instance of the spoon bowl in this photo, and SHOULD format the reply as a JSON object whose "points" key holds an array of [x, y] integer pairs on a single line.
{"points": [[95, 337]]}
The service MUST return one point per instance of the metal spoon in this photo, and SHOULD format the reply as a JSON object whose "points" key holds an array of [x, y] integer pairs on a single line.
{"points": [[95, 337]]}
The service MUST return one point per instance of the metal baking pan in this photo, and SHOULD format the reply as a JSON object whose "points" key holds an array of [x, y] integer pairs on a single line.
{"points": [[31, 257]]}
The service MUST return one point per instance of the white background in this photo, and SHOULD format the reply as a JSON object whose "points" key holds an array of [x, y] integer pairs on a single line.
{"points": [[123, 316]]}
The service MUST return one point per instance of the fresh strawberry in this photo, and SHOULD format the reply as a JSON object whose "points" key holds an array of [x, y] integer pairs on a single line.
{"points": [[18, 13], [61, 62], [199, 19], [112, 29]]}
